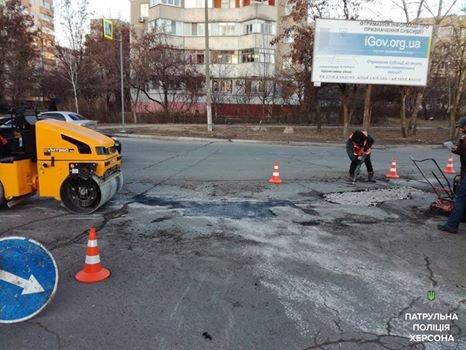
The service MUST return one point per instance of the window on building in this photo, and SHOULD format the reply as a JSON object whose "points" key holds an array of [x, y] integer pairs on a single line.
{"points": [[200, 58], [247, 28], [194, 4], [266, 55], [193, 29], [195, 84], [258, 55], [165, 2], [144, 10], [222, 29], [224, 57], [268, 27], [247, 55], [168, 26], [222, 85], [257, 26]]}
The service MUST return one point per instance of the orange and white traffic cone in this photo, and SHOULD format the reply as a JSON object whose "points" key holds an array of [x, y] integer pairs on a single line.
{"points": [[449, 169], [93, 271], [392, 173], [275, 179]]}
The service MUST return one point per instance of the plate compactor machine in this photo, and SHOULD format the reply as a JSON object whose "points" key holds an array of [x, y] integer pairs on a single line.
{"points": [[78, 166]]}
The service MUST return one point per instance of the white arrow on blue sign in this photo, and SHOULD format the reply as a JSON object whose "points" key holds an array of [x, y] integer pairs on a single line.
{"points": [[28, 278]]}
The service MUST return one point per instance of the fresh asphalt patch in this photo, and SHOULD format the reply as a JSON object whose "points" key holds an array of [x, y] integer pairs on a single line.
{"points": [[233, 209]]}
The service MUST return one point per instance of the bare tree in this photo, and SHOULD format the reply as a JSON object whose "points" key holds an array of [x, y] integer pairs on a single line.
{"points": [[74, 16], [100, 76], [367, 115], [449, 63], [438, 10], [164, 74], [301, 33], [222, 85]]}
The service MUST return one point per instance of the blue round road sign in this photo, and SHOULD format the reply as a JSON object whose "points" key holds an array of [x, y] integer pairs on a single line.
{"points": [[28, 278]]}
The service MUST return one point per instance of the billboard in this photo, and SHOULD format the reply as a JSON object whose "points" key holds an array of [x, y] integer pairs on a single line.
{"points": [[368, 52]]}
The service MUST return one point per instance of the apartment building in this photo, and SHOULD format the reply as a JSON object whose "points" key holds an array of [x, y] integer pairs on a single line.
{"points": [[42, 12], [242, 59]]}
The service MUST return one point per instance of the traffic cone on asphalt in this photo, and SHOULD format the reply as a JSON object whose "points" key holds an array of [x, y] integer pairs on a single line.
{"points": [[275, 179], [93, 271], [449, 169], [392, 173]]}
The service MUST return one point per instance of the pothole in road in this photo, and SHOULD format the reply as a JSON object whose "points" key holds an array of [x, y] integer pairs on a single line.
{"points": [[372, 197]]}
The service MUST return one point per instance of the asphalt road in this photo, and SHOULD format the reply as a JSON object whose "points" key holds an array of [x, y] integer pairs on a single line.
{"points": [[206, 254]]}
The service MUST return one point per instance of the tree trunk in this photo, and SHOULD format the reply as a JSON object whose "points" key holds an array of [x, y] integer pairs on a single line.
{"points": [[346, 115], [75, 92], [417, 107], [366, 121], [348, 101], [404, 95], [134, 105]]}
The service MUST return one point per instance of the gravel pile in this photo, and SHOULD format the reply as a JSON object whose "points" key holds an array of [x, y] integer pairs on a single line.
{"points": [[372, 197]]}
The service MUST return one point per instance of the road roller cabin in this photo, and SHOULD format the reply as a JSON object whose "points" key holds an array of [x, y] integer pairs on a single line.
{"points": [[78, 166]]}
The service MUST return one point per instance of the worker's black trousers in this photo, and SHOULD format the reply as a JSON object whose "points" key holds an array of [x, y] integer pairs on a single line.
{"points": [[355, 163]]}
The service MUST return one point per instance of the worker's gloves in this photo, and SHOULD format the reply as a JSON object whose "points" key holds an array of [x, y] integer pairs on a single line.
{"points": [[360, 158]]}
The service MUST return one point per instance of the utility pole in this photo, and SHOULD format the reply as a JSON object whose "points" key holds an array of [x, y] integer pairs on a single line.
{"points": [[207, 70], [122, 84], [107, 31]]}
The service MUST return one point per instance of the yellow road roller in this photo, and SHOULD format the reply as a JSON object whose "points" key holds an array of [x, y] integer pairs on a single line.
{"points": [[78, 166]]}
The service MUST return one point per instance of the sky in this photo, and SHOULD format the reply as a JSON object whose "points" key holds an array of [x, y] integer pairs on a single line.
{"points": [[379, 10], [119, 9], [110, 8]]}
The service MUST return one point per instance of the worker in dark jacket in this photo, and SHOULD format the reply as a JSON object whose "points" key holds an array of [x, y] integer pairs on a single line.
{"points": [[459, 207], [358, 148]]}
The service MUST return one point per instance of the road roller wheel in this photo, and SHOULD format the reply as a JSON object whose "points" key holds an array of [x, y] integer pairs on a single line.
{"points": [[80, 194], [2, 195]]}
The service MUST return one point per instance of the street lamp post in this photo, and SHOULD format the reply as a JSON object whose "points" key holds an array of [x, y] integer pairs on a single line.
{"points": [[107, 31], [122, 85], [207, 70]]}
